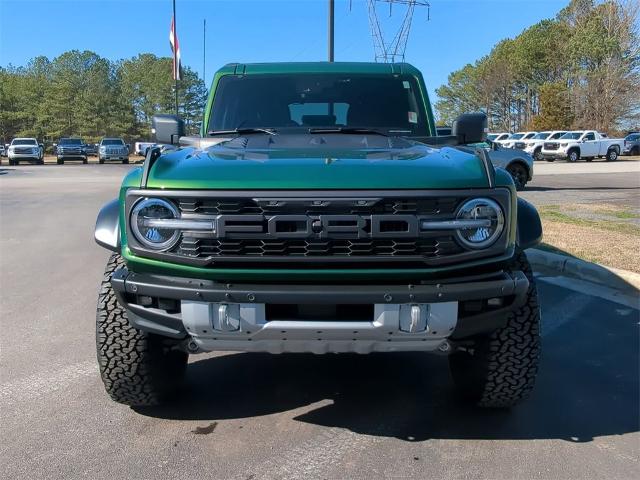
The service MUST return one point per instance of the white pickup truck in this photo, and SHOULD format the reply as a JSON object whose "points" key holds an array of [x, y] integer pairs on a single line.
{"points": [[587, 144], [534, 145]]}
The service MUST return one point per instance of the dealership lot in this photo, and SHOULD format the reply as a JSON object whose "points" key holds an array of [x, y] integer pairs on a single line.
{"points": [[252, 416]]}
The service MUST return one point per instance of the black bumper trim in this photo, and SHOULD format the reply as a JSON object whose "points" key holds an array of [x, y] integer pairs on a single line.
{"points": [[506, 284]]}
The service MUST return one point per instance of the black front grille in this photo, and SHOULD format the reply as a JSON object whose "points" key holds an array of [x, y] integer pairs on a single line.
{"points": [[550, 146], [24, 150], [519, 145], [318, 229], [427, 247]]}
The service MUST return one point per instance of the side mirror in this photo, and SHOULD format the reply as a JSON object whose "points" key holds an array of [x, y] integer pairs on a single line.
{"points": [[470, 128], [167, 129]]}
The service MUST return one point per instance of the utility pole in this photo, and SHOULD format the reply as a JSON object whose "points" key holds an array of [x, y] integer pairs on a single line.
{"points": [[175, 59], [331, 16]]}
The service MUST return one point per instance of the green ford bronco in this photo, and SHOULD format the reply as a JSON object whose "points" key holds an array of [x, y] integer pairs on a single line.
{"points": [[318, 211]]}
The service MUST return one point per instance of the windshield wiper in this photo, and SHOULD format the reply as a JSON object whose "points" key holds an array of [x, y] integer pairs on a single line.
{"points": [[240, 131], [348, 130]]}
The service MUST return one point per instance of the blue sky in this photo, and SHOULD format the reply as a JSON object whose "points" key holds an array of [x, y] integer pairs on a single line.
{"points": [[459, 32]]}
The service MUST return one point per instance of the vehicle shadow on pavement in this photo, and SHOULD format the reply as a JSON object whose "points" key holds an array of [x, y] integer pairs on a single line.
{"points": [[587, 387]]}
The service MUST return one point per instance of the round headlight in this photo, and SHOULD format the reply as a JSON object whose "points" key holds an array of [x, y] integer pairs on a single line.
{"points": [[146, 230], [485, 235]]}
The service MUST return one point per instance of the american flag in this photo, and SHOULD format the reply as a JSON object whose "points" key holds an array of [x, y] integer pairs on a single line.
{"points": [[175, 48]]}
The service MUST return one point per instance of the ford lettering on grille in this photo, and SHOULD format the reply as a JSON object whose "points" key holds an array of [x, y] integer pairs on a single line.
{"points": [[317, 226]]}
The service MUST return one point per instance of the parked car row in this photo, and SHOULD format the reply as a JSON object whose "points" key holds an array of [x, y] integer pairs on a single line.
{"points": [[28, 149], [569, 145]]}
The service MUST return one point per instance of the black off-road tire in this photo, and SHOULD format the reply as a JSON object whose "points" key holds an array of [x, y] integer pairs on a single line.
{"points": [[501, 368], [137, 368]]}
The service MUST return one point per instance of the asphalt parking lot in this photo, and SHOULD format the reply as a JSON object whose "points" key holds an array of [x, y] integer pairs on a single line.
{"points": [[252, 416]]}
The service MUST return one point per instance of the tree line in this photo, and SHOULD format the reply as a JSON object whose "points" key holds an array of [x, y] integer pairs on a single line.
{"points": [[82, 94], [579, 70]]}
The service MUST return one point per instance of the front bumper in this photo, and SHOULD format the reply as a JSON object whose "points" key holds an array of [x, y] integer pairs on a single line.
{"points": [[554, 153], [109, 157], [24, 156], [186, 309]]}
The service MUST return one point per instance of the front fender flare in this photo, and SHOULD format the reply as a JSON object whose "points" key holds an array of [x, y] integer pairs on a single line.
{"points": [[529, 228], [107, 231]]}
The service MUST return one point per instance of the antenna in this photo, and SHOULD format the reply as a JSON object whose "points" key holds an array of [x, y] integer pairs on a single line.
{"points": [[393, 50]]}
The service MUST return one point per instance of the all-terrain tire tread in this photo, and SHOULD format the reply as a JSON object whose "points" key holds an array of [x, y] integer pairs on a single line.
{"points": [[507, 360], [137, 368]]}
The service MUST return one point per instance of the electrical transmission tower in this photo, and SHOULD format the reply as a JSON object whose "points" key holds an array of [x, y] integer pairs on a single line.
{"points": [[392, 51]]}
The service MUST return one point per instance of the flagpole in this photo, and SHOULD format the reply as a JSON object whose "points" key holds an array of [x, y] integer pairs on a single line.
{"points": [[175, 54]]}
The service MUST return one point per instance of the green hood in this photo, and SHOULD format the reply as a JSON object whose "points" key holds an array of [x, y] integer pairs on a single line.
{"points": [[351, 162]]}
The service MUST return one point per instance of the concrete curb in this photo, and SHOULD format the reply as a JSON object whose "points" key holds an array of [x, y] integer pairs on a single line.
{"points": [[545, 262]]}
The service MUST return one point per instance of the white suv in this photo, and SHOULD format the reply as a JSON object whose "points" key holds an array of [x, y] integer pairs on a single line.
{"points": [[25, 149], [516, 140], [534, 145]]}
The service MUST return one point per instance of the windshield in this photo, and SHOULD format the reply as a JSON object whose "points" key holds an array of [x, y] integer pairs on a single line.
{"points": [[24, 141], [112, 141], [384, 102], [541, 136], [633, 137], [571, 136], [516, 136], [70, 141]]}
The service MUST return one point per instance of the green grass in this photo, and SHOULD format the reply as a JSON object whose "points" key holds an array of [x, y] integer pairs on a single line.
{"points": [[552, 213]]}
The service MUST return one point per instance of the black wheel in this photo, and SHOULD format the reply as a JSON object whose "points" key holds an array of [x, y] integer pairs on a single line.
{"points": [[85, 161], [60, 161], [612, 155], [549, 159], [589, 159], [40, 161], [635, 151], [500, 369], [519, 174], [101, 161], [137, 368], [573, 156], [12, 162], [537, 154], [125, 161]]}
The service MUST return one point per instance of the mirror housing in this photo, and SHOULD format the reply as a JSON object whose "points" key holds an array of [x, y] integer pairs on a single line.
{"points": [[470, 128], [167, 129]]}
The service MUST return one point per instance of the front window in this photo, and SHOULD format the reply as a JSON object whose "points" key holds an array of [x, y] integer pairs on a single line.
{"points": [[540, 136], [556, 135], [112, 141], [515, 136], [571, 136], [634, 137], [24, 141], [528, 136], [71, 141], [590, 136], [390, 103]]}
